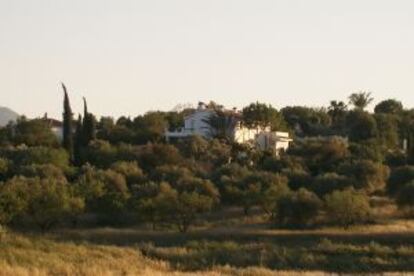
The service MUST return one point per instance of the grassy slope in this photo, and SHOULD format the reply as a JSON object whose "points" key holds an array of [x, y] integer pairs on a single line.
{"points": [[29, 255], [229, 245], [225, 251], [375, 248], [22, 255]]}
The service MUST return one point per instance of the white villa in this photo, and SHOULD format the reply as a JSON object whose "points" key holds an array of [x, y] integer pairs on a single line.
{"points": [[56, 127], [260, 137]]}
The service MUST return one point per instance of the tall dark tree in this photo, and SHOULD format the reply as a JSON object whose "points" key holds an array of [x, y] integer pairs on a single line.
{"points": [[89, 125], [67, 124], [78, 141]]}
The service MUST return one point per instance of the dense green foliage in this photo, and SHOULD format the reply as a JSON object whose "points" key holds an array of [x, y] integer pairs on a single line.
{"points": [[67, 123], [347, 207], [117, 169]]}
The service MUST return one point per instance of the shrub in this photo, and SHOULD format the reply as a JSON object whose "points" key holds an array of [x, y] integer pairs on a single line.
{"points": [[321, 154], [35, 132], [99, 153], [176, 196], [41, 171], [241, 187], [298, 209], [144, 202], [45, 201], [405, 197], [4, 168], [271, 194], [329, 182], [13, 200], [22, 156], [366, 150], [298, 179], [154, 155], [399, 178], [366, 175], [361, 126], [105, 192], [130, 170], [347, 207]]}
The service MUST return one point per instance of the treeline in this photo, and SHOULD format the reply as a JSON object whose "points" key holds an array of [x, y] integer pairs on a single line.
{"points": [[117, 170]]}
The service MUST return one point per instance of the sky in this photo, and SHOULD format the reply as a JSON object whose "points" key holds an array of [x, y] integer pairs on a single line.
{"points": [[128, 57]]}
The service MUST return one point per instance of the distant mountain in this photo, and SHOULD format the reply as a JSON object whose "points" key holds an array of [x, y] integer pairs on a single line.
{"points": [[7, 115]]}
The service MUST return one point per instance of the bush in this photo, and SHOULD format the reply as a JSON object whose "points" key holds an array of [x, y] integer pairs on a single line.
{"points": [[329, 182], [405, 198], [241, 187], [347, 207], [298, 209], [366, 150], [4, 168], [366, 175], [361, 126], [155, 155], [179, 203], [45, 201], [396, 159], [99, 153], [22, 156], [41, 171], [35, 132], [399, 178], [321, 154], [13, 200], [298, 179], [130, 171], [105, 192]]}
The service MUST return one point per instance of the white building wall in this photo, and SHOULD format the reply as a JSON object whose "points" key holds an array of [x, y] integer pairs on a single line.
{"points": [[263, 138], [58, 131]]}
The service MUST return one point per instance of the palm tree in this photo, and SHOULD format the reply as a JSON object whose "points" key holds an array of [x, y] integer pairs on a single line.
{"points": [[336, 107], [360, 100], [337, 111]]}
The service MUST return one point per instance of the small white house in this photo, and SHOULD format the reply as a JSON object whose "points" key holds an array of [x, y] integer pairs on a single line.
{"points": [[56, 127], [260, 137], [273, 140]]}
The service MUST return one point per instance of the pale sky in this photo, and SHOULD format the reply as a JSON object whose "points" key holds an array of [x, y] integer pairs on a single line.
{"points": [[130, 56]]}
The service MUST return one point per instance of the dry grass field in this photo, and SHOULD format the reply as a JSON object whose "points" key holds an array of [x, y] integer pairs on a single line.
{"points": [[247, 250], [246, 246], [24, 255]]}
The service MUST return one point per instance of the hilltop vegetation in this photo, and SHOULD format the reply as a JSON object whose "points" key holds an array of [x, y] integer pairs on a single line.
{"points": [[346, 167]]}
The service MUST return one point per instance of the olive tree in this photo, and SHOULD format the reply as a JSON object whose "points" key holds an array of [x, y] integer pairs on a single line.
{"points": [[347, 207]]}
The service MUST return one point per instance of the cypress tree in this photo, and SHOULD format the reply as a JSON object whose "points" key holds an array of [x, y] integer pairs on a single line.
{"points": [[78, 141], [89, 125], [67, 124]]}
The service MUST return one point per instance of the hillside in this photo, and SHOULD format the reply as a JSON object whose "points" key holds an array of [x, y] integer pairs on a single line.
{"points": [[23, 255], [244, 249], [7, 115]]}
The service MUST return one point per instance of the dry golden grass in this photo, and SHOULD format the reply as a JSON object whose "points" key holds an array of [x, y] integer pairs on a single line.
{"points": [[22, 255], [112, 251]]}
